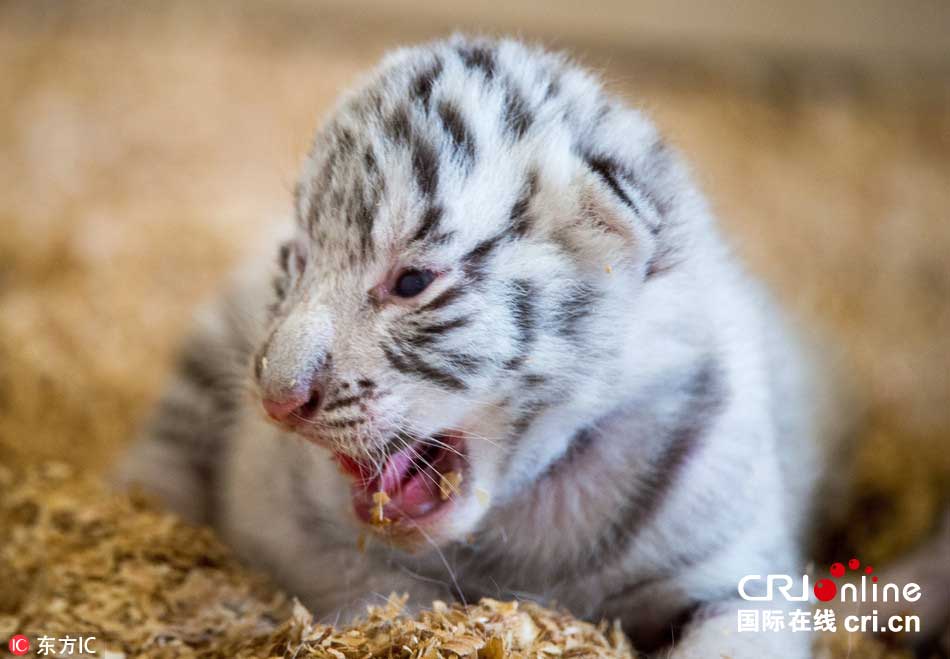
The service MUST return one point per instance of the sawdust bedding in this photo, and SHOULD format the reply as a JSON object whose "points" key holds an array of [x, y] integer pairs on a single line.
{"points": [[78, 559]]}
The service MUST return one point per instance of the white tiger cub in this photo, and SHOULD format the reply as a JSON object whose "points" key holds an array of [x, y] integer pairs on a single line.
{"points": [[507, 308]]}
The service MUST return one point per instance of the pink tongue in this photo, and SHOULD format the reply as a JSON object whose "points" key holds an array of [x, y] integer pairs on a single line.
{"points": [[395, 471], [418, 496], [411, 497]]}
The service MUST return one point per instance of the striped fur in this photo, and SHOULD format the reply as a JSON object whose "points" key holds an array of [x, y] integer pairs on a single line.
{"points": [[587, 328]]}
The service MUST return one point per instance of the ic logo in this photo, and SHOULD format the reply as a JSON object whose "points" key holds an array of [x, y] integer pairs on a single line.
{"points": [[19, 645]]}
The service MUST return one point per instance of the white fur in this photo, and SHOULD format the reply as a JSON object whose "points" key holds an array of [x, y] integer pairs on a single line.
{"points": [[668, 297]]}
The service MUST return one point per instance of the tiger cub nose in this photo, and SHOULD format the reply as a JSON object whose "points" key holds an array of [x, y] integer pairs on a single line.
{"points": [[294, 407]]}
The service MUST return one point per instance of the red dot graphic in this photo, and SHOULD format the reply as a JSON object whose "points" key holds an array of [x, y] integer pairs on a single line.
{"points": [[837, 570], [825, 590], [874, 579], [854, 564], [868, 570]]}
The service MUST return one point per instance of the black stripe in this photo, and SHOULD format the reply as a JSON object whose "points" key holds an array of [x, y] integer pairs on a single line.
{"points": [[374, 102], [425, 165], [705, 400], [396, 361], [529, 414], [398, 127], [422, 85], [430, 222], [281, 283], [348, 423], [663, 260], [462, 140], [612, 172], [344, 144], [369, 162], [421, 336], [521, 220], [179, 424], [340, 144], [187, 421], [416, 340], [466, 363], [313, 216], [279, 286], [518, 117], [445, 327], [365, 218], [532, 380], [441, 238], [606, 169], [411, 364], [524, 317], [198, 370], [523, 311], [515, 363], [283, 257], [473, 262], [342, 402], [444, 299], [478, 58], [482, 250], [578, 445], [576, 306]]}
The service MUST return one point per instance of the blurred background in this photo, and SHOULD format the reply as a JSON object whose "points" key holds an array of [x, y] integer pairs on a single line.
{"points": [[144, 146]]}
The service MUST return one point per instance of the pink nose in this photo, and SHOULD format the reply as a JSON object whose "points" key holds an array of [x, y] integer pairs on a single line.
{"points": [[292, 409]]}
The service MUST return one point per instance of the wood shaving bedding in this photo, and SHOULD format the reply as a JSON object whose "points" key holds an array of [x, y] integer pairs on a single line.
{"points": [[378, 515], [77, 559], [449, 484]]}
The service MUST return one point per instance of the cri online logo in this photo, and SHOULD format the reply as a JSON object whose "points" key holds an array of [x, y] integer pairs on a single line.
{"points": [[826, 589], [19, 645]]}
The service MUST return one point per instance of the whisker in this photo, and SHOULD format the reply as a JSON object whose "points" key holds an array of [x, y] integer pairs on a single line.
{"points": [[419, 457], [441, 554], [420, 577], [403, 423], [432, 441]]}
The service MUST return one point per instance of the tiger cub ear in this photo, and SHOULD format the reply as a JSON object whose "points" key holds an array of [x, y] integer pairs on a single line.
{"points": [[605, 228]]}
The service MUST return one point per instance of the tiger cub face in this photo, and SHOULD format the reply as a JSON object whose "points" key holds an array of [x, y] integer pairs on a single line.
{"points": [[474, 227]]}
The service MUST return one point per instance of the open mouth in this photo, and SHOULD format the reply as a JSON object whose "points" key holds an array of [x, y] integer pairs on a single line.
{"points": [[417, 480]]}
